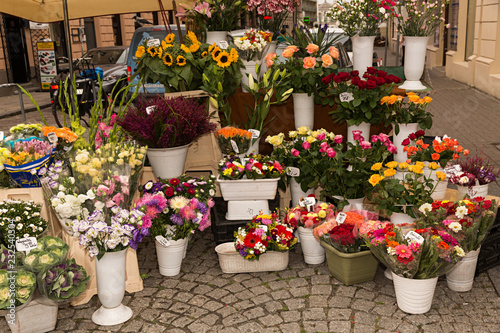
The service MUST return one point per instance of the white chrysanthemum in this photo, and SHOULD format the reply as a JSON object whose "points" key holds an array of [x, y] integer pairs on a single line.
{"points": [[459, 251], [178, 202], [461, 212], [455, 226], [426, 207]]}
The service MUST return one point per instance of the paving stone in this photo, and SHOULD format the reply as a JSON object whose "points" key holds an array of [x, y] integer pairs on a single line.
{"points": [[254, 313], [314, 314], [153, 328], [226, 311], [299, 282], [273, 306], [271, 320], [243, 305], [339, 314], [361, 328], [280, 294], [251, 327], [167, 317], [290, 316], [318, 301], [299, 292], [342, 326], [290, 327], [340, 302], [132, 326], [320, 279], [210, 319], [213, 305], [321, 290], [295, 303], [315, 326], [234, 319], [65, 324], [182, 321]]}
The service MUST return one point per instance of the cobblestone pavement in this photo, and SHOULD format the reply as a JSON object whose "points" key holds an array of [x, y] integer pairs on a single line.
{"points": [[303, 298]]}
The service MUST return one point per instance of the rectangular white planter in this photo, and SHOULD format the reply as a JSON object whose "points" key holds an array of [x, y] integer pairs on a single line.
{"points": [[231, 261], [248, 189], [246, 209]]}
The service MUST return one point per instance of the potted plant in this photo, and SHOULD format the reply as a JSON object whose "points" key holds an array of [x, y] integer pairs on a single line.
{"points": [[306, 216], [175, 208], [359, 21], [247, 184], [349, 261], [26, 217], [167, 127], [400, 186], [416, 257], [469, 221], [473, 175], [406, 114], [262, 245], [233, 140], [355, 98]]}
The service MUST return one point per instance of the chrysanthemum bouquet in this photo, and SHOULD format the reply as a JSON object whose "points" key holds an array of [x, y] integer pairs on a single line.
{"points": [[442, 150], [356, 98], [24, 131], [302, 216], [272, 13], [402, 185], [252, 167], [264, 233], [474, 170], [468, 220], [344, 236], [24, 282], [405, 110], [186, 201], [253, 45], [24, 215], [233, 140], [416, 254]]}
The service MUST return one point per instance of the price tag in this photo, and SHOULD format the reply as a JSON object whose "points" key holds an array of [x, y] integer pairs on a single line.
{"points": [[413, 236], [1, 135], [293, 171], [154, 42], [67, 148], [26, 244], [263, 227], [341, 218], [255, 133], [235, 147], [163, 241], [223, 44], [346, 97], [52, 137], [309, 201], [150, 109]]}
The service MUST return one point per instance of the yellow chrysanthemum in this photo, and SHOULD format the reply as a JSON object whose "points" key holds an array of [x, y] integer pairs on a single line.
{"points": [[223, 59], [170, 38], [168, 59], [234, 55], [140, 52], [181, 61]]}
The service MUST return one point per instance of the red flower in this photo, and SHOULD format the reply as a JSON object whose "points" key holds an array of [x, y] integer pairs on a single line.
{"points": [[354, 74], [355, 80], [371, 84], [419, 133], [381, 73], [394, 78], [191, 191], [404, 260], [371, 70], [327, 79], [174, 181], [405, 142], [251, 239], [169, 191], [380, 81], [361, 84], [412, 136]]}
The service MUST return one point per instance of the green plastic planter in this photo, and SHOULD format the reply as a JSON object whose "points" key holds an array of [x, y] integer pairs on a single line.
{"points": [[350, 268]]}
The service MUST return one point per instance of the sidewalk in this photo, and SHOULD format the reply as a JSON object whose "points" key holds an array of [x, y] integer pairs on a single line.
{"points": [[11, 105]]}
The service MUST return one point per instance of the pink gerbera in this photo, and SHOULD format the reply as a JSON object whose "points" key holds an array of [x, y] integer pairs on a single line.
{"points": [[403, 251]]}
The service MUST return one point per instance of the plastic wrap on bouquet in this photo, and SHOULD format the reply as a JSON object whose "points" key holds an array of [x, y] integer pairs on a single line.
{"points": [[25, 174]]}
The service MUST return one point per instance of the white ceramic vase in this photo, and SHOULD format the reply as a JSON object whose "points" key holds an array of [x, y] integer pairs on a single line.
{"points": [[414, 296], [110, 272], [314, 253], [216, 36], [168, 162], [297, 193], [404, 131], [170, 257], [415, 50], [303, 110], [474, 191], [248, 70], [363, 127], [461, 277], [362, 53], [401, 218], [354, 204], [439, 192]]}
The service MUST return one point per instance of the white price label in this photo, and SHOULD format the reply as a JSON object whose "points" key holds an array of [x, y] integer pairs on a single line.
{"points": [[150, 109], [263, 227], [154, 42], [223, 44], [255, 133], [341, 218], [235, 147], [413, 236], [52, 137], [346, 97], [309, 201], [1, 135], [293, 171], [26, 244], [162, 240]]}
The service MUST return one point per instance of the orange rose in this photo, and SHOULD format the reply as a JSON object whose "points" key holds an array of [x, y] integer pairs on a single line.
{"points": [[413, 98], [419, 142], [270, 59], [460, 149], [334, 52], [393, 99], [309, 62], [288, 52], [466, 152], [425, 146], [312, 48], [327, 60], [435, 156], [384, 100], [427, 99], [455, 156]]}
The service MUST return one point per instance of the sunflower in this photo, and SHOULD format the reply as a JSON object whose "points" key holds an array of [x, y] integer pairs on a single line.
{"points": [[204, 54], [168, 59], [192, 37], [194, 47], [223, 60], [181, 61], [152, 50], [211, 47], [234, 55], [140, 52], [170, 38], [159, 51], [215, 53], [185, 48]]}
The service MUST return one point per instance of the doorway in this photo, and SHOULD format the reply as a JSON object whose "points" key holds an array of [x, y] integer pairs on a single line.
{"points": [[90, 33], [16, 47]]}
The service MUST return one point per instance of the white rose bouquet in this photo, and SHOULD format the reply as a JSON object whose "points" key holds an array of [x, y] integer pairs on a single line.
{"points": [[253, 45]]}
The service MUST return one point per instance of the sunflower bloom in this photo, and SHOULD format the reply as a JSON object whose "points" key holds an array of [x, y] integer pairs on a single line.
{"points": [[204, 54], [170, 38], [194, 47], [234, 55], [215, 53], [224, 59], [152, 51], [168, 59], [185, 48], [140, 52], [181, 61], [192, 37]]}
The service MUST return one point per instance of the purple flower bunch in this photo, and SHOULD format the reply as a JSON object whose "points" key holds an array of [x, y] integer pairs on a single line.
{"points": [[475, 167], [64, 281]]}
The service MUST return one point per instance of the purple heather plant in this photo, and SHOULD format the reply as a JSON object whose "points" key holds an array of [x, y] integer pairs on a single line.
{"points": [[169, 123], [481, 167]]}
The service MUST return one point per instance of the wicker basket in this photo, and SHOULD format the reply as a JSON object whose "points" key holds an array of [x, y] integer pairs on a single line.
{"points": [[232, 262]]}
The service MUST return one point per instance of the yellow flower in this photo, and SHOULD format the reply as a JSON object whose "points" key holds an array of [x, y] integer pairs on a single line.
{"points": [[275, 140], [413, 98], [420, 164], [323, 205], [223, 60], [194, 47], [303, 130], [204, 54], [392, 164], [181, 61], [215, 53], [192, 36], [403, 165], [170, 38], [392, 99], [234, 55], [441, 175], [168, 59], [292, 134], [153, 51], [322, 214], [375, 179], [140, 52], [384, 100], [389, 172], [376, 166], [433, 165], [427, 99], [211, 47], [310, 139], [417, 169]]}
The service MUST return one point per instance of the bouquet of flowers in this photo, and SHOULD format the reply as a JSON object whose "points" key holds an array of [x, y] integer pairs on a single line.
{"points": [[25, 215], [64, 281], [25, 283], [405, 110], [417, 254], [303, 216], [264, 233], [343, 237], [401, 185], [233, 140], [442, 150], [272, 14], [4, 176], [24, 131], [474, 170], [253, 44], [356, 99], [468, 220], [419, 19], [65, 140], [310, 153], [253, 167], [303, 38], [186, 201], [361, 17], [171, 123]]}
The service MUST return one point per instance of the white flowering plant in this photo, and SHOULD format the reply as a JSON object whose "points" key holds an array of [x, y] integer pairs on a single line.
{"points": [[253, 45], [468, 220], [24, 215]]}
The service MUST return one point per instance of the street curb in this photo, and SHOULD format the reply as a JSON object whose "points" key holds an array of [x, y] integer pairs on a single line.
{"points": [[31, 109]]}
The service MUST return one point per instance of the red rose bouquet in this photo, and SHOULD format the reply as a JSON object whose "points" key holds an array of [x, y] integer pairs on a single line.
{"points": [[264, 233], [343, 237]]}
